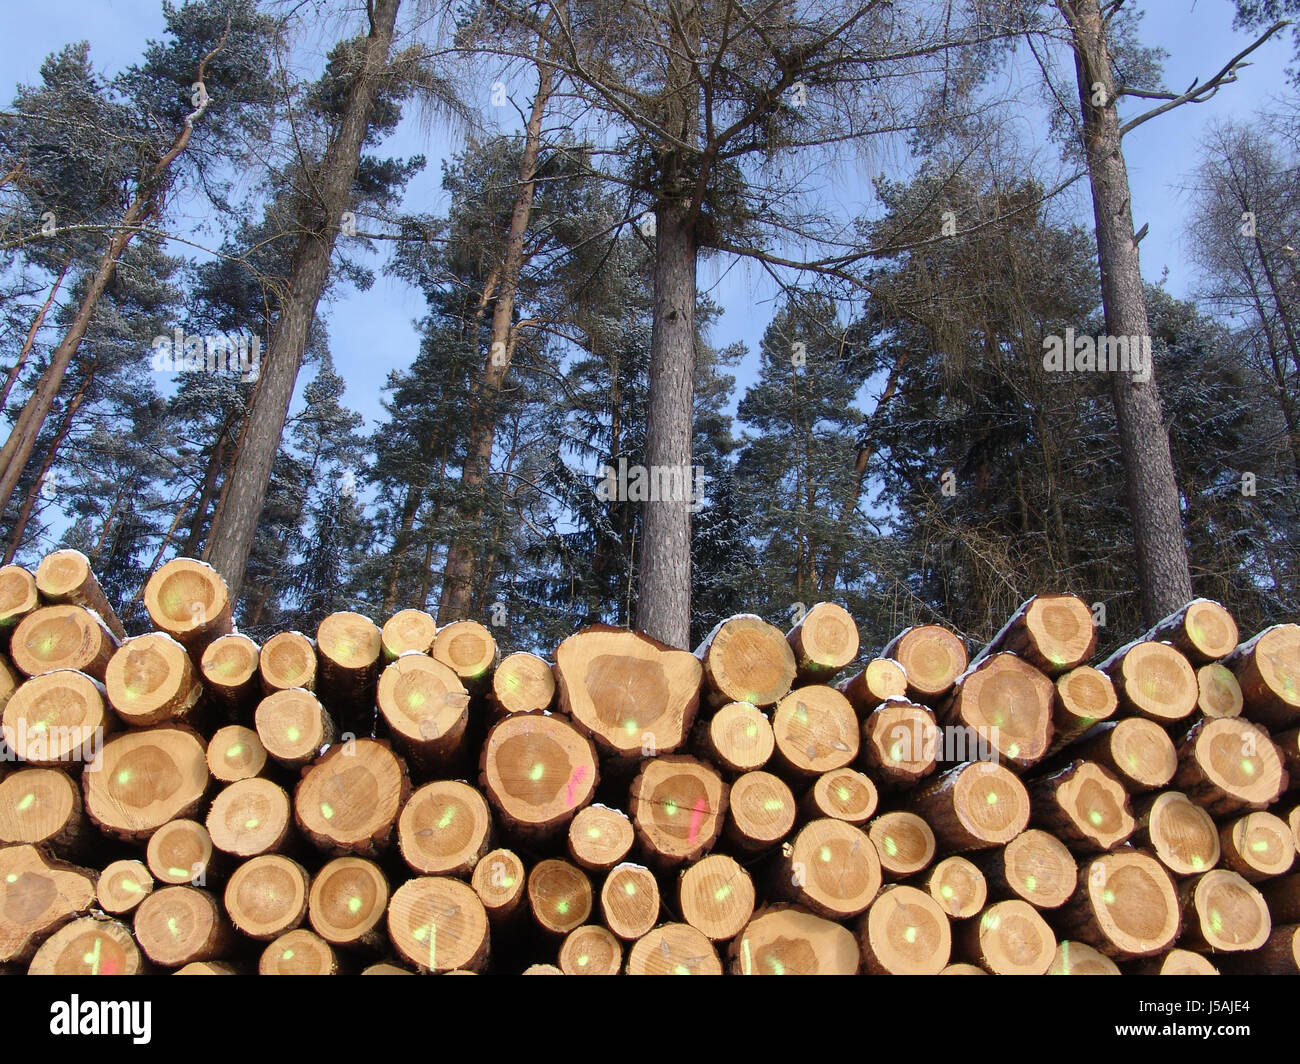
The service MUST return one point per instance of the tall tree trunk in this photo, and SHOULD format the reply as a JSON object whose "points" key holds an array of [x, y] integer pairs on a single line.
{"points": [[144, 205], [664, 599], [664, 602], [459, 573], [30, 339], [1163, 573], [231, 537], [400, 545], [216, 462], [29, 503]]}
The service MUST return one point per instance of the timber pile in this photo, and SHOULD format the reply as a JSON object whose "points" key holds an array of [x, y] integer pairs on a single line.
{"points": [[403, 799]]}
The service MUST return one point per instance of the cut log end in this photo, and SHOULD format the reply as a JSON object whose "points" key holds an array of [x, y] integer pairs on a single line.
{"points": [[629, 901], [37, 896], [882, 679], [230, 668], [834, 868], [537, 771], [1207, 631], [122, 886], [1141, 754], [633, 695], [426, 708], [249, 817], [1061, 631], [150, 679], [973, 806], [905, 932], [739, 738], [523, 683], [1009, 705], [1218, 692], [439, 925], [90, 945], [235, 753], [1230, 764], [499, 881], [1078, 958], [1175, 962], [1258, 846], [406, 631], [1009, 938], [348, 801], [293, 726], [444, 829], [347, 901], [207, 968], [179, 852], [468, 649], [786, 940], [958, 886], [1085, 806], [62, 637], [267, 896], [189, 601], [298, 952], [142, 779], [842, 794], [900, 743], [1154, 680], [761, 811], [591, 950], [559, 896], [1038, 868], [384, 968], [677, 805], [600, 837], [287, 660], [748, 660], [1084, 696], [716, 896], [673, 949], [18, 598], [349, 643], [42, 806], [932, 658], [1126, 905], [823, 642], [177, 925], [904, 843], [55, 719], [815, 730], [66, 576], [1268, 671], [1181, 833], [1223, 913]]}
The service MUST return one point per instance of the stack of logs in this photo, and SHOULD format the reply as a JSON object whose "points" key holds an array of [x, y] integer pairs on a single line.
{"points": [[399, 799]]}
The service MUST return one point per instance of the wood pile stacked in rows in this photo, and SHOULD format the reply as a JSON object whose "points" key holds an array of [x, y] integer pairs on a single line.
{"points": [[403, 799]]}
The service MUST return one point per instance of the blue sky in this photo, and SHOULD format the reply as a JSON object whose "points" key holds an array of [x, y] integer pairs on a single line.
{"points": [[371, 332]]}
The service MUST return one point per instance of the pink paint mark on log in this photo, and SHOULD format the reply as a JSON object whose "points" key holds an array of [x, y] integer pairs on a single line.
{"points": [[579, 774], [697, 817]]}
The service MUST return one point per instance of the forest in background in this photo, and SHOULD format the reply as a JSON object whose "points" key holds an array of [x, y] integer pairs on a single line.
{"points": [[903, 449]]}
